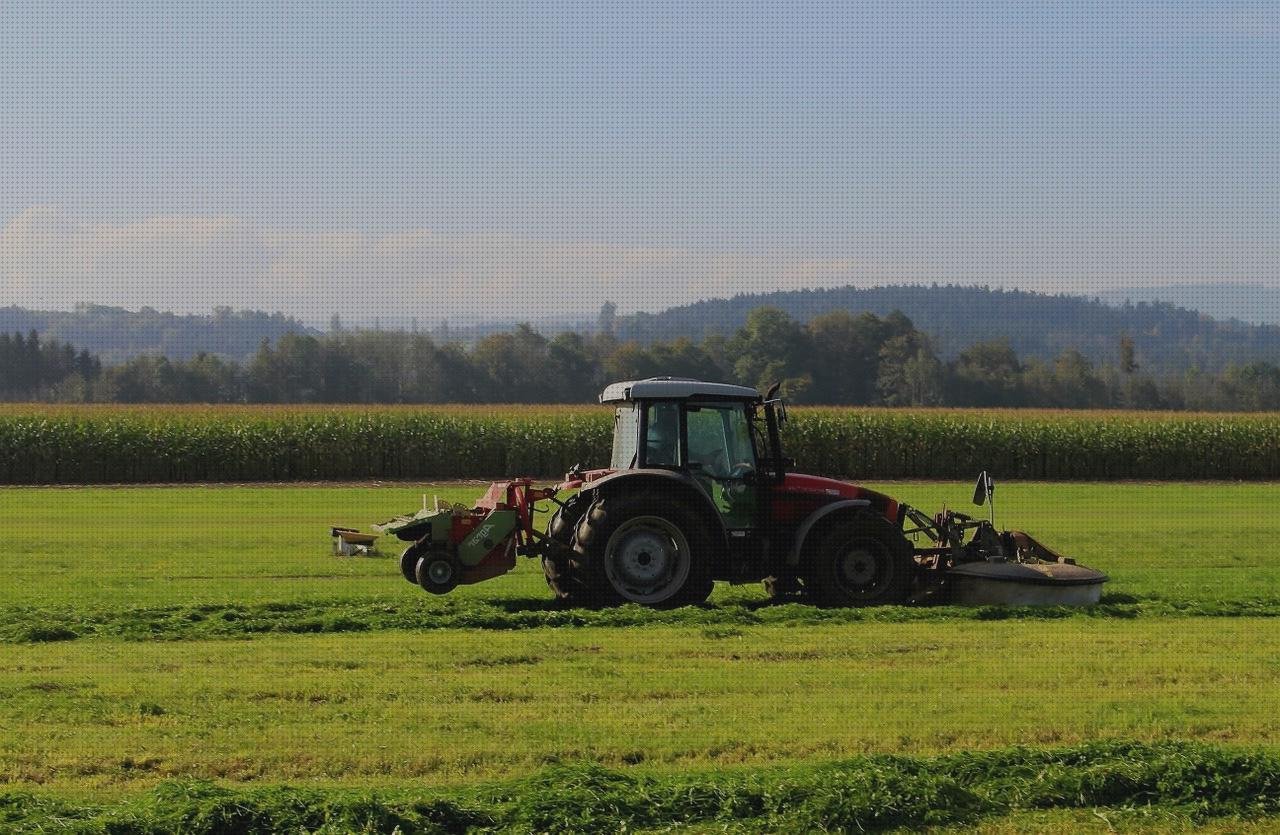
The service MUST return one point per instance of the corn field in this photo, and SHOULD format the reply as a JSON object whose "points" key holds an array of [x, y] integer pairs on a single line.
{"points": [[82, 445]]}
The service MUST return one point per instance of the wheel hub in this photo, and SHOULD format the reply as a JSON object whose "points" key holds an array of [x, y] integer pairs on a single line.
{"points": [[647, 559], [440, 572], [644, 557], [859, 567]]}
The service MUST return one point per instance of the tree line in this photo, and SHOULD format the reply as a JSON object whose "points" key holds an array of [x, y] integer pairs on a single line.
{"points": [[838, 358]]}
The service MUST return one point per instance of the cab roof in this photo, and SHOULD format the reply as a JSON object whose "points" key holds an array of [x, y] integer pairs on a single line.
{"points": [[674, 388]]}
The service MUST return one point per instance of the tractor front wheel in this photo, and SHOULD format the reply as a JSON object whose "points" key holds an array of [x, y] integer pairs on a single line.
{"points": [[862, 561]]}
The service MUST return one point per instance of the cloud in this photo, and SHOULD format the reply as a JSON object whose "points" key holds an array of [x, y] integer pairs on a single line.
{"points": [[182, 262], [190, 263]]}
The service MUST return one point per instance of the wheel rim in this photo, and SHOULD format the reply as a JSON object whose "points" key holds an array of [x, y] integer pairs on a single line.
{"points": [[863, 568], [439, 572], [647, 559]]}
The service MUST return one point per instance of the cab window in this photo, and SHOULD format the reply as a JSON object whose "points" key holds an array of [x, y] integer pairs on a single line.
{"points": [[662, 435], [720, 440], [624, 437]]}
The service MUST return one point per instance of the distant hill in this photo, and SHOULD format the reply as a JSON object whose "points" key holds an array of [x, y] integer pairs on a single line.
{"points": [[1167, 338], [1253, 303], [116, 334]]}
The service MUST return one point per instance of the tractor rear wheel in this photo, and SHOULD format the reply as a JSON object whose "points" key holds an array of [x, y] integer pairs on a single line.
{"points": [[860, 561], [645, 548], [562, 570]]}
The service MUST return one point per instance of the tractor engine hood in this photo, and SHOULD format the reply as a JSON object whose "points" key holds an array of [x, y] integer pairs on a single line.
{"points": [[818, 485]]}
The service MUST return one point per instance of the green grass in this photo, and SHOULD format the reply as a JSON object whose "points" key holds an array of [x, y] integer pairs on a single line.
{"points": [[422, 701], [450, 706], [1133, 785], [105, 549]]}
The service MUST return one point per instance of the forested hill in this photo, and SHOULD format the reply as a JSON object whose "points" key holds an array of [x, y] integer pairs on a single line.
{"points": [[115, 334], [1167, 338]]}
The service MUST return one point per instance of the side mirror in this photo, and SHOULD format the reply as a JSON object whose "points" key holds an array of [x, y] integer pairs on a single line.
{"points": [[779, 409], [984, 489]]}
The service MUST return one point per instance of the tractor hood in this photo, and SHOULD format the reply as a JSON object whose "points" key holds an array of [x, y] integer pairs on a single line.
{"points": [[818, 485], [801, 483]]}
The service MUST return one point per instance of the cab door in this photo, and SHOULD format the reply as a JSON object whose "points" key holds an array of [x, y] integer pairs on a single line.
{"points": [[720, 455]]}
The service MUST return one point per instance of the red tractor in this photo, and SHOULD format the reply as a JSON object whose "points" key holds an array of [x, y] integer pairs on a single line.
{"points": [[698, 490]]}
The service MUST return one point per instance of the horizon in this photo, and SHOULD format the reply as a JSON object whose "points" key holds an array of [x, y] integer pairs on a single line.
{"points": [[532, 162], [1110, 298]]}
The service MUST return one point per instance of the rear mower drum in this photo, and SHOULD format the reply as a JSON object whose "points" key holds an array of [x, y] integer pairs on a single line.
{"points": [[860, 561], [438, 571], [646, 549]]}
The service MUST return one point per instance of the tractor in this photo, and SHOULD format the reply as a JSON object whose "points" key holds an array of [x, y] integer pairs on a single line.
{"points": [[698, 490]]}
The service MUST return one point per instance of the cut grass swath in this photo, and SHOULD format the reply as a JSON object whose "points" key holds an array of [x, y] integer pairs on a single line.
{"points": [[1189, 782]]}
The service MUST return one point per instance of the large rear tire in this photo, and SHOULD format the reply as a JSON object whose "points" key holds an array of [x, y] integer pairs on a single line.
{"points": [[563, 571], [859, 561], [645, 548]]}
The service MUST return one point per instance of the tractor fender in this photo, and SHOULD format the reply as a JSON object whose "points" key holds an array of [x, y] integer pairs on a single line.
{"points": [[667, 480], [802, 533]]}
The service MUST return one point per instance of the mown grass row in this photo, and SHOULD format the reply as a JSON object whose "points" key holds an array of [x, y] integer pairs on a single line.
{"points": [[63, 446], [24, 625], [1196, 782]]}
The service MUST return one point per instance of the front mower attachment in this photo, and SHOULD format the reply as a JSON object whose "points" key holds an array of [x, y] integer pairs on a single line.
{"points": [[1023, 583], [970, 563]]}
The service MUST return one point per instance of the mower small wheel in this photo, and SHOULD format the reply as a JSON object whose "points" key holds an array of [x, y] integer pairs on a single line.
{"points": [[437, 572], [409, 562]]}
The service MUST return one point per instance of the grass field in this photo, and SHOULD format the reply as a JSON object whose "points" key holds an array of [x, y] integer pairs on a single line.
{"points": [[459, 705], [111, 547], [221, 575]]}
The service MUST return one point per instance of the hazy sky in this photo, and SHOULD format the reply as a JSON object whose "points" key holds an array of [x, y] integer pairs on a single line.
{"points": [[497, 160]]}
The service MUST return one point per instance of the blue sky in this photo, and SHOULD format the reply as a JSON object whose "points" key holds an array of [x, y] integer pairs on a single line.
{"points": [[359, 156]]}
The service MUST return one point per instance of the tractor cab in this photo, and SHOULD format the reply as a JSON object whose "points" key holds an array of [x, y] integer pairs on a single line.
{"points": [[724, 437], [720, 431]]}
